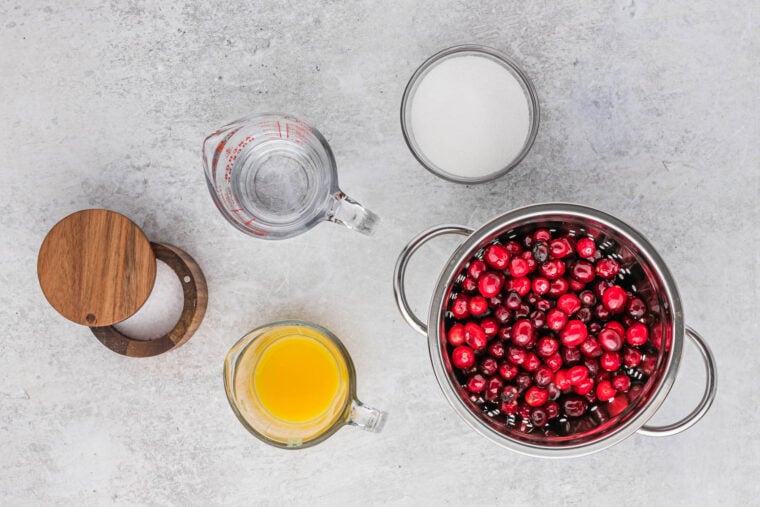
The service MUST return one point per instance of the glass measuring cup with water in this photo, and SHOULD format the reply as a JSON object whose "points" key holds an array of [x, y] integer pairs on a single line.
{"points": [[274, 176]]}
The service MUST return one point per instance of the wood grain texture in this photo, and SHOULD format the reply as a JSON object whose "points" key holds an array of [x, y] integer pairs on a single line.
{"points": [[96, 267], [195, 293]]}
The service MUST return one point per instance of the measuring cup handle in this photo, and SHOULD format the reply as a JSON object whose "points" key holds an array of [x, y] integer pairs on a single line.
{"points": [[711, 388], [346, 211], [366, 417], [399, 290]]}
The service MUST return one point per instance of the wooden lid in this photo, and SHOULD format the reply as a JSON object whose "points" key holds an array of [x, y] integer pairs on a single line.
{"points": [[96, 267]]}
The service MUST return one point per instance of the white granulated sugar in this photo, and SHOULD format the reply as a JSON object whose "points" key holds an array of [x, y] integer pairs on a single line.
{"points": [[161, 310], [470, 116]]}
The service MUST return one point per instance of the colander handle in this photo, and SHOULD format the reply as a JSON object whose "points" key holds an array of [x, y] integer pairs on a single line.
{"points": [[399, 272], [707, 398]]}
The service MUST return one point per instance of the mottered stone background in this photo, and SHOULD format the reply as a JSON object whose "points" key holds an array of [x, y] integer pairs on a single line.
{"points": [[649, 111]]}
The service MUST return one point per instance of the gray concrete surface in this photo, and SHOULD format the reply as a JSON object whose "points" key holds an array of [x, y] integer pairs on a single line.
{"points": [[649, 111]]}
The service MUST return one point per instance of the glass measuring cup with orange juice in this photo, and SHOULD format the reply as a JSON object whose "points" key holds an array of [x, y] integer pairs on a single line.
{"points": [[292, 384]]}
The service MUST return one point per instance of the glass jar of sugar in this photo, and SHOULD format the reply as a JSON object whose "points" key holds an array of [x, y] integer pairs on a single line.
{"points": [[469, 114]]}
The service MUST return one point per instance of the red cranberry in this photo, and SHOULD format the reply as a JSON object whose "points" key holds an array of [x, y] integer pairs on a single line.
{"points": [[542, 235], [574, 406], [524, 411], [584, 315], [523, 311], [636, 308], [571, 355], [617, 405], [616, 326], [477, 305], [599, 287], [583, 271], [460, 307], [490, 284], [508, 407], [601, 312], [536, 396], [594, 327], [554, 362], [576, 374], [476, 383], [538, 318], [513, 301], [469, 284], [591, 348], [593, 366], [573, 334], [559, 248], [538, 417], [502, 314], [610, 340], [657, 333], [513, 247], [587, 298], [584, 387], [558, 287], [575, 285], [509, 393], [631, 357], [516, 355], [508, 371], [614, 299], [648, 364], [496, 256], [544, 305], [552, 269], [569, 303], [553, 391], [496, 349], [621, 382], [505, 333], [585, 247], [532, 362], [495, 302], [520, 285], [607, 268], [547, 346], [637, 334], [488, 366], [610, 361], [556, 319], [463, 357], [543, 376], [455, 335], [540, 285], [532, 264], [518, 267], [493, 389], [552, 410], [523, 380], [475, 269], [523, 333], [540, 252], [562, 380], [474, 336], [605, 391], [490, 326]]}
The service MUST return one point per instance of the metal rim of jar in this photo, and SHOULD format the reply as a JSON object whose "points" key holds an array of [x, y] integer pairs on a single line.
{"points": [[518, 73]]}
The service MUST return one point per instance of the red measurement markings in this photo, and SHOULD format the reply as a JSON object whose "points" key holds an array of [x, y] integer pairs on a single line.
{"points": [[232, 155], [287, 130], [279, 129]]}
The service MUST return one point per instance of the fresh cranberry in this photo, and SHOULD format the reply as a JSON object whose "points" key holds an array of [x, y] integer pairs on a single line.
{"points": [[496, 256], [573, 334], [574, 406], [463, 357], [617, 405], [538, 318], [544, 305], [584, 387], [493, 389], [621, 382], [455, 336], [636, 308], [523, 333], [523, 380], [475, 269], [502, 314], [507, 371], [594, 327], [605, 391], [587, 298], [496, 349], [490, 326], [524, 411], [577, 373], [591, 348], [559, 248], [542, 235], [571, 355], [540, 252], [495, 302], [583, 271], [552, 269], [513, 247], [631, 357], [490, 284], [648, 364], [469, 284], [538, 417], [543, 376], [584, 315], [477, 305], [554, 362], [460, 307], [575, 285], [508, 407], [553, 391], [518, 267], [637, 334], [552, 410], [474, 336], [607, 268], [540, 285], [616, 326], [509, 393], [585, 247], [532, 362], [569, 303], [599, 287], [476, 383], [657, 334], [547, 346], [513, 301], [610, 340], [536, 396], [558, 287], [601, 312], [516, 355], [522, 311], [562, 380], [520, 285], [614, 299], [610, 361], [556, 319], [532, 264], [593, 366], [488, 366]]}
